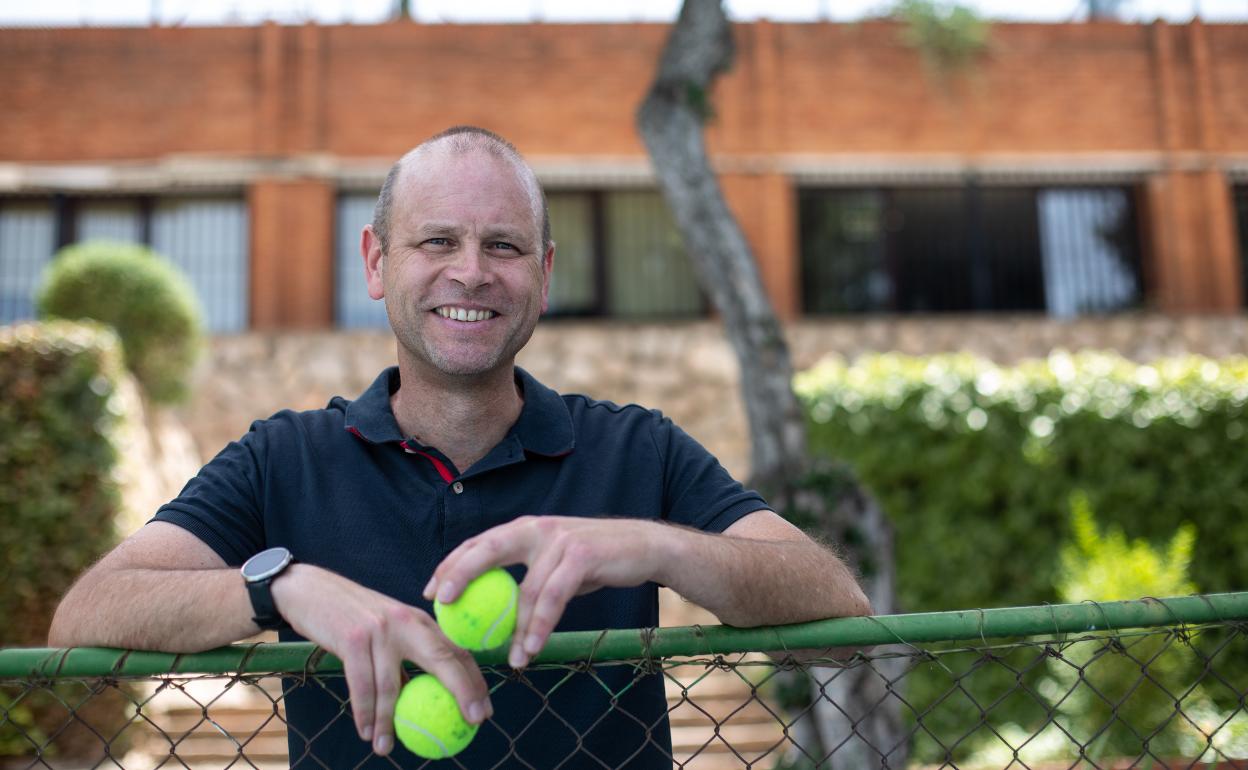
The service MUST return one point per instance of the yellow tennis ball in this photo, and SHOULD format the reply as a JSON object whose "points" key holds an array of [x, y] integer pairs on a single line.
{"points": [[427, 720], [484, 615]]}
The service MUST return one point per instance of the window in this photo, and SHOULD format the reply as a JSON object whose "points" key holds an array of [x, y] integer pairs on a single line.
{"points": [[617, 253], [574, 287], [648, 273], [1088, 241], [971, 248], [353, 308], [205, 237], [110, 220], [27, 241]]}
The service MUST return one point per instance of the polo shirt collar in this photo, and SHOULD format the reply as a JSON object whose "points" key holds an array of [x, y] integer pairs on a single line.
{"points": [[370, 416], [544, 427]]}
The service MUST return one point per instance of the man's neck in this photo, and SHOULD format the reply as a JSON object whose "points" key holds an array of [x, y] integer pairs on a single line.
{"points": [[463, 417]]}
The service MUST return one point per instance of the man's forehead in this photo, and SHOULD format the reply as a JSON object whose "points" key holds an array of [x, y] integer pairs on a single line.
{"points": [[442, 170], [437, 157]]}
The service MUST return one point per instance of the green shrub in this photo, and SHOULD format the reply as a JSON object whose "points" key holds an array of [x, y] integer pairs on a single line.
{"points": [[948, 36], [58, 500], [1096, 687], [57, 456], [1096, 567], [1108, 568], [142, 296], [975, 464]]}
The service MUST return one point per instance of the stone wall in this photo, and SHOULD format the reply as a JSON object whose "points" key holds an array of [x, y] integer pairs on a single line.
{"points": [[687, 370]]}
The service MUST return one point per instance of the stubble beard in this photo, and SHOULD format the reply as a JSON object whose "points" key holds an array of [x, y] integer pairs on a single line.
{"points": [[472, 361]]}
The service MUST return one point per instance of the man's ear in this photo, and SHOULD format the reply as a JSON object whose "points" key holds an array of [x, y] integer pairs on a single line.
{"points": [[548, 264], [370, 249]]}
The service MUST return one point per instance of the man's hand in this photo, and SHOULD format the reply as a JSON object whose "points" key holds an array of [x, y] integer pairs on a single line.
{"points": [[566, 557], [762, 570], [373, 634]]}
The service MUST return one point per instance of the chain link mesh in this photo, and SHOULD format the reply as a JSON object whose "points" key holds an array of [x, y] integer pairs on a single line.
{"points": [[1165, 697]]}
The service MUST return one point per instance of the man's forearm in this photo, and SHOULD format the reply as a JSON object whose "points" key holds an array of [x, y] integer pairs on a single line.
{"points": [[749, 582], [154, 609]]}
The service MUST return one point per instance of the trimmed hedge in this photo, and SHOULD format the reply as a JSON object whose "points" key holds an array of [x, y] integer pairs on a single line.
{"points": [[977, 467], [58, 501], [143, 297], [57, 456], [975, 463]]}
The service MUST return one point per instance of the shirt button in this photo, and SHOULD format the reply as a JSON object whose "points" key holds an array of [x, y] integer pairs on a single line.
{"points": [[458, 487]]}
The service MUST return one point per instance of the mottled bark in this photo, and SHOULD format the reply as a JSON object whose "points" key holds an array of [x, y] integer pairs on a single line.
{"points": [[671, 121], [826, 502]]}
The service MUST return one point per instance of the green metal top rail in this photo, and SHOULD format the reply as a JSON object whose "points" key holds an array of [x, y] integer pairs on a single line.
{"points": [[690, 641]]}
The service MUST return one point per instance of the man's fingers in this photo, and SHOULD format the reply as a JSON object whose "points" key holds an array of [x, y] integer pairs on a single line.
{"points": [[456, 669], [387, 670], [357, 665], [560, 587], [500, 546], [530, 589]]}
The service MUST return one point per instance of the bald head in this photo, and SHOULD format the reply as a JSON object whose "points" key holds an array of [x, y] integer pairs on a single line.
{"points": [[459, 140]]}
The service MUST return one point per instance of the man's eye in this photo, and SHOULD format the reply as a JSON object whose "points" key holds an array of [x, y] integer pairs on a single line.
{"points": [[504, 245], [438, 242]]}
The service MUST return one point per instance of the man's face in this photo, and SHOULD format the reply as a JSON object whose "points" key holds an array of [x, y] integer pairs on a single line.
{"points": [[464, 278]]}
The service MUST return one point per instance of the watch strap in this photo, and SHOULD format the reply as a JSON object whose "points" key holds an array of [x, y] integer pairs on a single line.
{"points": [[262, 604]]}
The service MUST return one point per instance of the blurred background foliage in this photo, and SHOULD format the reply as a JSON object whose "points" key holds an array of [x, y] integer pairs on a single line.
{"points": [[975, 462], [143, 297], [991, 475], [947, 36], [58, 504]]}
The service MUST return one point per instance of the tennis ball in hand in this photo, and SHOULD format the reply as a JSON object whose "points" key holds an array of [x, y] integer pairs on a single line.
{"points": [[484, 615], [427, 720]]}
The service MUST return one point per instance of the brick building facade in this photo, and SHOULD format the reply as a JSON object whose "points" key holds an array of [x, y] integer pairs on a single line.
{"points": [[273, 140]]}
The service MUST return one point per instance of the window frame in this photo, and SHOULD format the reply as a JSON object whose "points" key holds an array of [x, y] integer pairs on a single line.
{"points": [[985, 294]]}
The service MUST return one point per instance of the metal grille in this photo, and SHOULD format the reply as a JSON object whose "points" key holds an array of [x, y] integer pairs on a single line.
{"points": [[110, 220], [1158, 683], [1063, 251], [27, 241], [207, 239], [353, 308]]}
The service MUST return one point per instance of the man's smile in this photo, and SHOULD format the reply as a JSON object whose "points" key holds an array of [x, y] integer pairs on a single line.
{"points": [[464, 314]]}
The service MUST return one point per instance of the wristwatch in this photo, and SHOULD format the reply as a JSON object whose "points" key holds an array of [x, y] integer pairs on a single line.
{"points": [[258, 574]]}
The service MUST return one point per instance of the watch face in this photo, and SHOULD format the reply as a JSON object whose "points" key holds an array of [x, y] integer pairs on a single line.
{"points": [[265, 563]]}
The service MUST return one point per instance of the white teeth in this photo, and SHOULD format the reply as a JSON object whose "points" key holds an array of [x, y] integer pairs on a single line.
{"points": [[461, 314]]}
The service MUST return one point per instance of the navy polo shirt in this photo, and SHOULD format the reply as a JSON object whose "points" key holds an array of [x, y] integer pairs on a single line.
{"points": [[343, 489]]}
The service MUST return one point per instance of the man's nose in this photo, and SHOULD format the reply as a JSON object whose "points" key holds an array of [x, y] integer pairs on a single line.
{"points": [[471, 266]]}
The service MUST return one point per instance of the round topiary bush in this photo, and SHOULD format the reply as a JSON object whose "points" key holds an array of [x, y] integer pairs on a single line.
{"points": [[143, 297]]}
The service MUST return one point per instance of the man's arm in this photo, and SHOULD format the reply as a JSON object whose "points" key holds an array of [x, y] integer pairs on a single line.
{"points": [[161, 589], [164, 589], [761, 571]]}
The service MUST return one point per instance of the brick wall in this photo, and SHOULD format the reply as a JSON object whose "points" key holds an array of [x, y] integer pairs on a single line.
{"points": [[1175, 97]]}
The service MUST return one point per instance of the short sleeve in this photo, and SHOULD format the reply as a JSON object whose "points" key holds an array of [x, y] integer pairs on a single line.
{"points": [[222, 504], [697, 491]]}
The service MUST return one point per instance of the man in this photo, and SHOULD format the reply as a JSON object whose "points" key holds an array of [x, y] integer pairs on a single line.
{"points": [[456, 459]]}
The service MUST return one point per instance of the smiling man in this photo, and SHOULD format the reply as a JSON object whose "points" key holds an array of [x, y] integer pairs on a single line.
{"points": [[348, 521]]}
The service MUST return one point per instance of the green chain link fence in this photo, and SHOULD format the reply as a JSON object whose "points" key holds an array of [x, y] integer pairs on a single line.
{"points": [[1149, 683]]}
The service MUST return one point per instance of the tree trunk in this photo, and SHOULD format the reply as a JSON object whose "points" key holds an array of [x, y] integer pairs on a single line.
{"points": [[670, 120], [699, 49]]}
